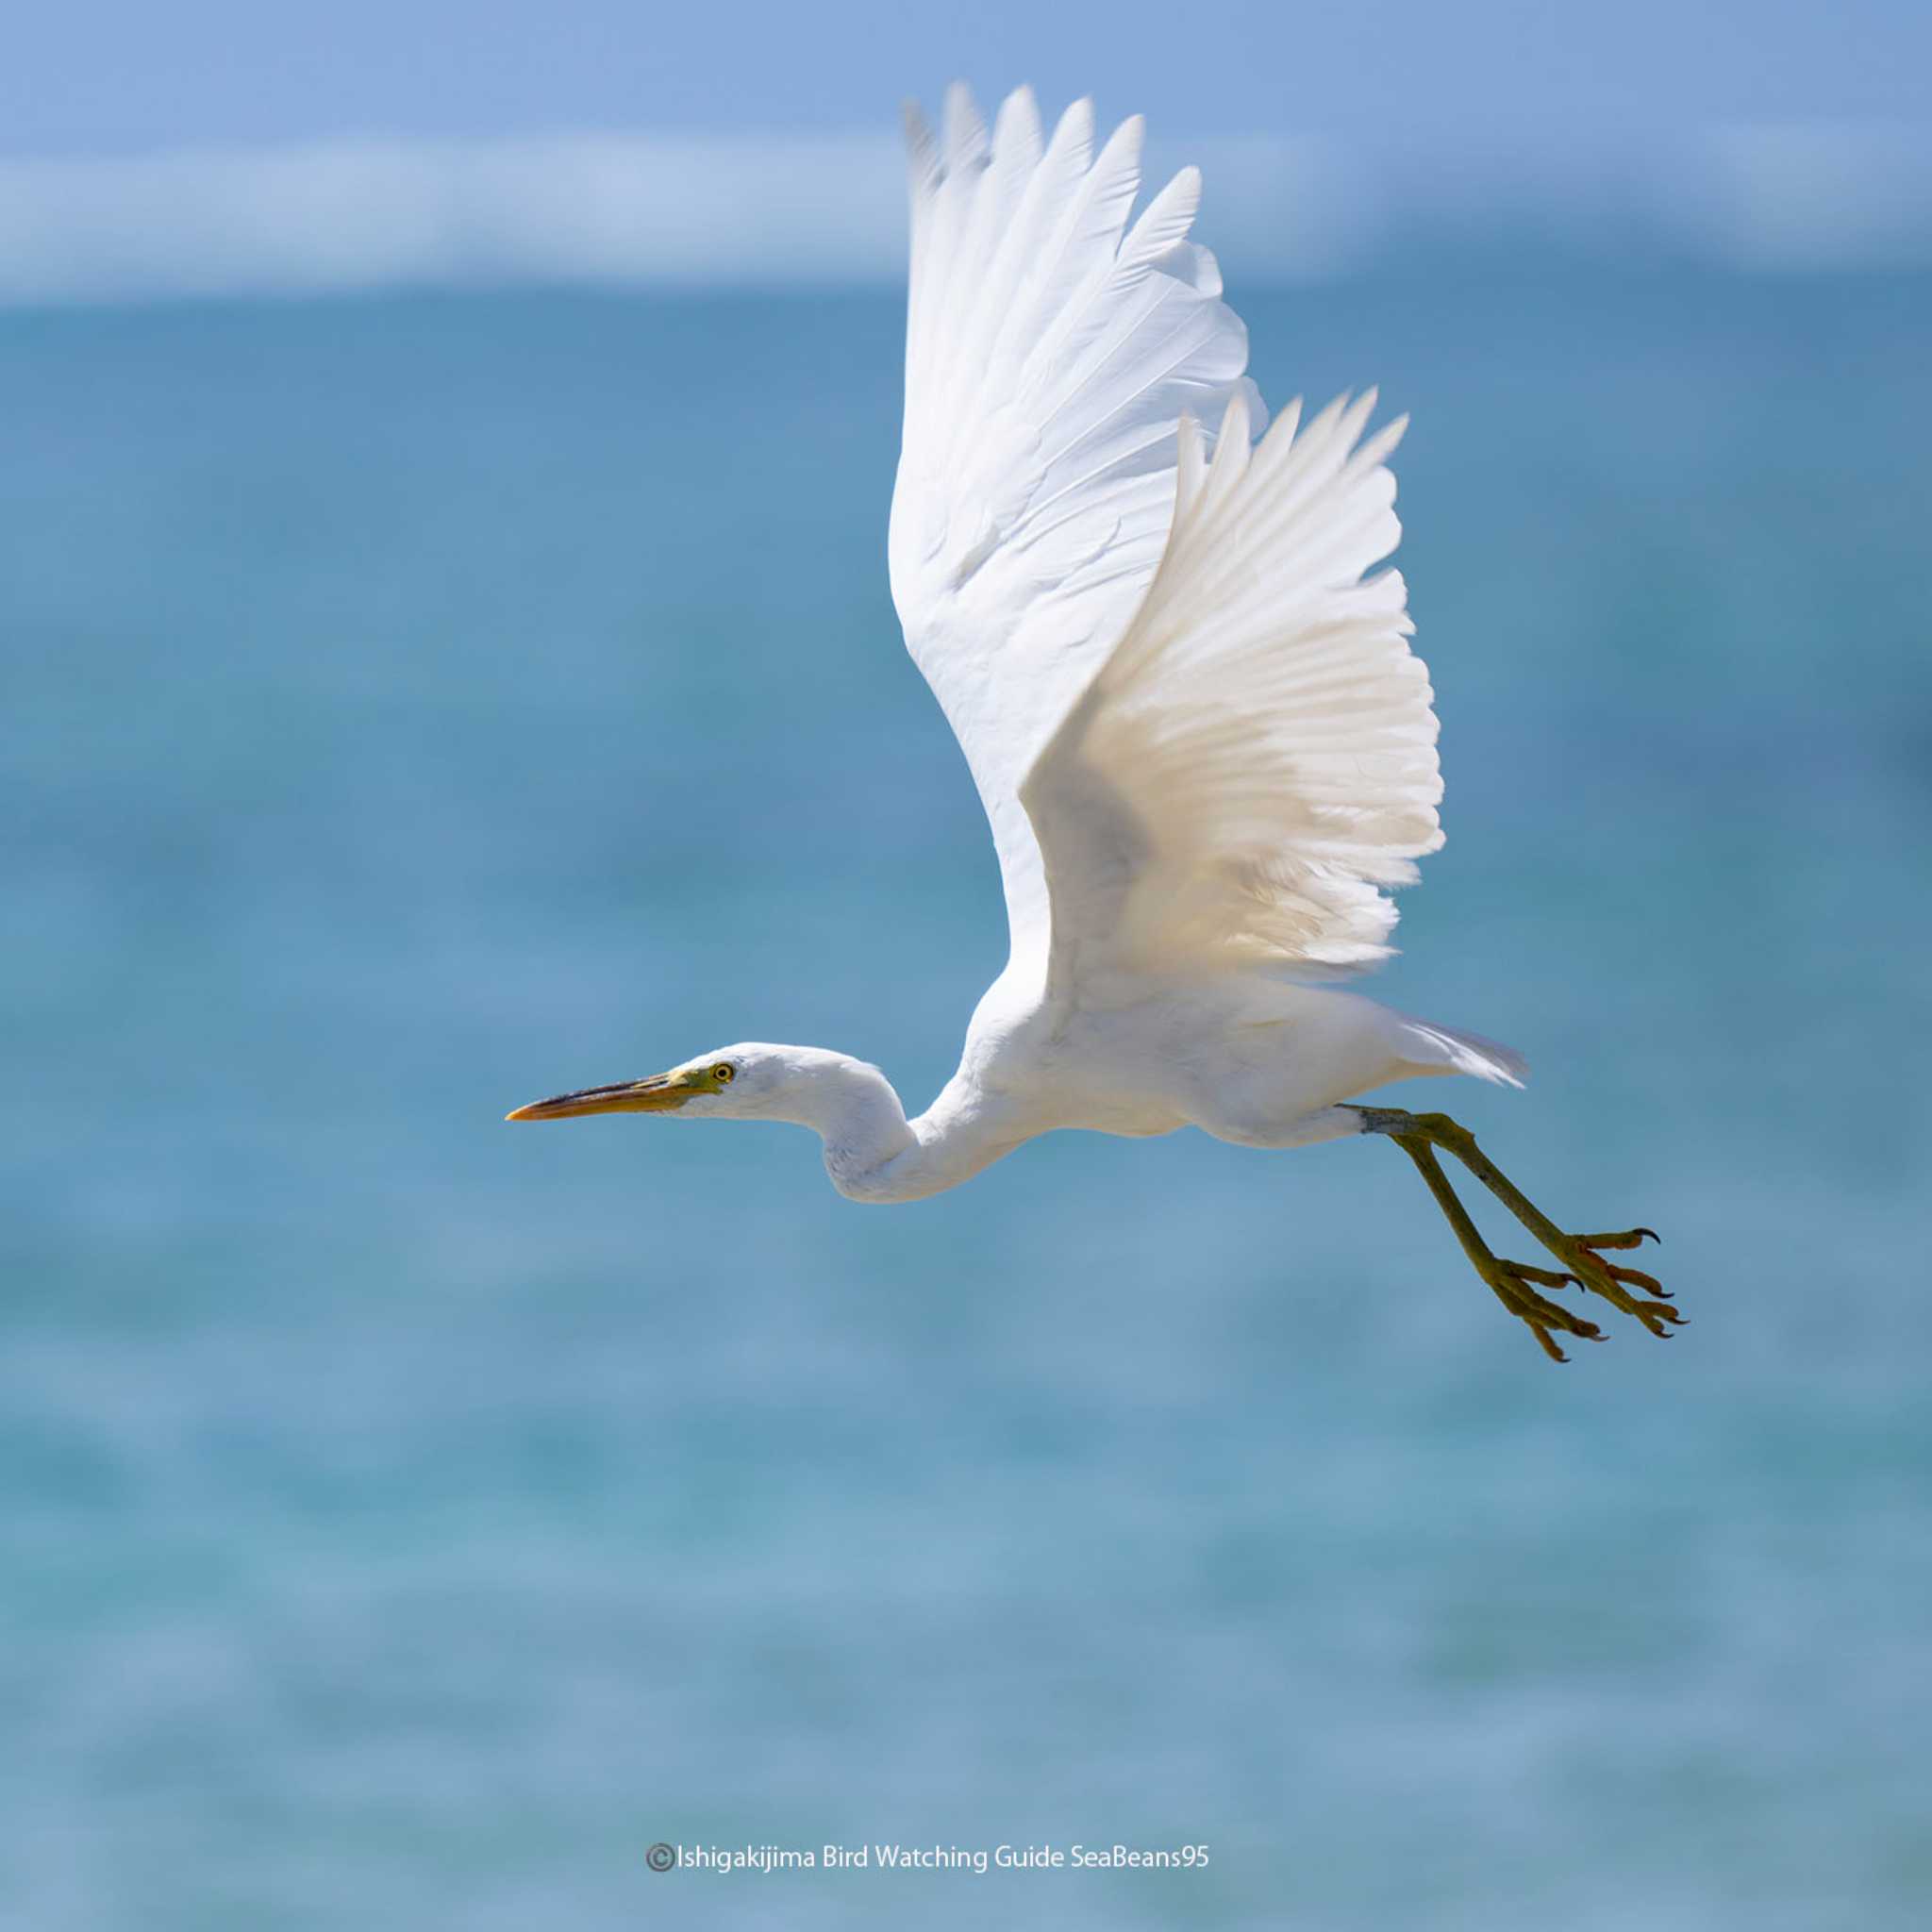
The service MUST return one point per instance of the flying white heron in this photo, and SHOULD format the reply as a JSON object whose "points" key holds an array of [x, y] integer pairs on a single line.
{"points": [[1203, 743]]}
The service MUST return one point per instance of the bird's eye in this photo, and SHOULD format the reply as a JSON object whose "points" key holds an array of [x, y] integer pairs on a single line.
{"points": [[723, 1073]]}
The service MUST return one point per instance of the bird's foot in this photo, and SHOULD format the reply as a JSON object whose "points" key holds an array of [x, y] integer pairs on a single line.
{"points": [[1545, 1319], [1580, 1254], [1631, 1291], [1585, 1258]]}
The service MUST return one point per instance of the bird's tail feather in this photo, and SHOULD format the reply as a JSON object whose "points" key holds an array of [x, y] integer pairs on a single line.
{"points": [[1449, 1050]]}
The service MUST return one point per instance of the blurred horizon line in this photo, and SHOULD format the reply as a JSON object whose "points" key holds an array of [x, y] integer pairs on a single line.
{"points": [[370, 212]]}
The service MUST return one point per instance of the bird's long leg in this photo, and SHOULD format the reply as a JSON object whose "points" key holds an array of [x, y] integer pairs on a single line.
{"points": [[1511, 1280], [1418, 1133]]}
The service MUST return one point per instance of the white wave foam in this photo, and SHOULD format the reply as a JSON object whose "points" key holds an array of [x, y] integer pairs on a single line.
{"points": [[645, 209]]}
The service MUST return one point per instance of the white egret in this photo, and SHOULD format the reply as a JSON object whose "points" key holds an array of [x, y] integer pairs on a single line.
{"points": [[1192, 713]]}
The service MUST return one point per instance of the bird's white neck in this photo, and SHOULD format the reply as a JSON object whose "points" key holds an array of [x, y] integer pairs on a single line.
{"points": [[874, 1153]]}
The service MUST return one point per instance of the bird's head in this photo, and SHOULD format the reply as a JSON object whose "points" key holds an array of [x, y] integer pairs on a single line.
{"points": [[750, 1081]]}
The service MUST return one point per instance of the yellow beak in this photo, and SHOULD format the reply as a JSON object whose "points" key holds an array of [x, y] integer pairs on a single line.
{"points": [[660, 1094]]}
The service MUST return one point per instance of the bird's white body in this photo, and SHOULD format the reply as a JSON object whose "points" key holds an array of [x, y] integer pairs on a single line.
{"points": [[1199, 735], [1257, 1063]]}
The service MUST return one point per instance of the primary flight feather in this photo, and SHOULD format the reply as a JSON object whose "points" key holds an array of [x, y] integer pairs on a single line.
{"points": [[1185, 691]]}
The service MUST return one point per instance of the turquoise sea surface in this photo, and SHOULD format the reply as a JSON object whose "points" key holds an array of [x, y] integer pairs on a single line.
{"points": [[414, 705]]}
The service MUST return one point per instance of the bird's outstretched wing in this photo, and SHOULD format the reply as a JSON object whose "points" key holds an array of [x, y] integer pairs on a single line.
{"points": [[1256, 756], [1051, 352]]}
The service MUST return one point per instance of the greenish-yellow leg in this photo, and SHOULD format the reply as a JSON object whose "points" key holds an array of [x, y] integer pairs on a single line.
{"points": [[1419, 1134]]}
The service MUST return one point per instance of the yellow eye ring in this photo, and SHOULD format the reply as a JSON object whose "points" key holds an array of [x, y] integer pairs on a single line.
{"points": [[723, 1073]]}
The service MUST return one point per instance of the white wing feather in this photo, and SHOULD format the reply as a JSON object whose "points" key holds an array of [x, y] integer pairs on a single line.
{"points": [[1194, 721], [1051, 353], [1258, 755]]}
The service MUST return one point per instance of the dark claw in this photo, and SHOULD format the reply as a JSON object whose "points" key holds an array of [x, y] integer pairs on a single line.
{"points": [[1626, 1237]]}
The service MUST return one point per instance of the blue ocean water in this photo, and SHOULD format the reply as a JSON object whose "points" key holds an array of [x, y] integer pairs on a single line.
{"points": [[415, 706]]}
